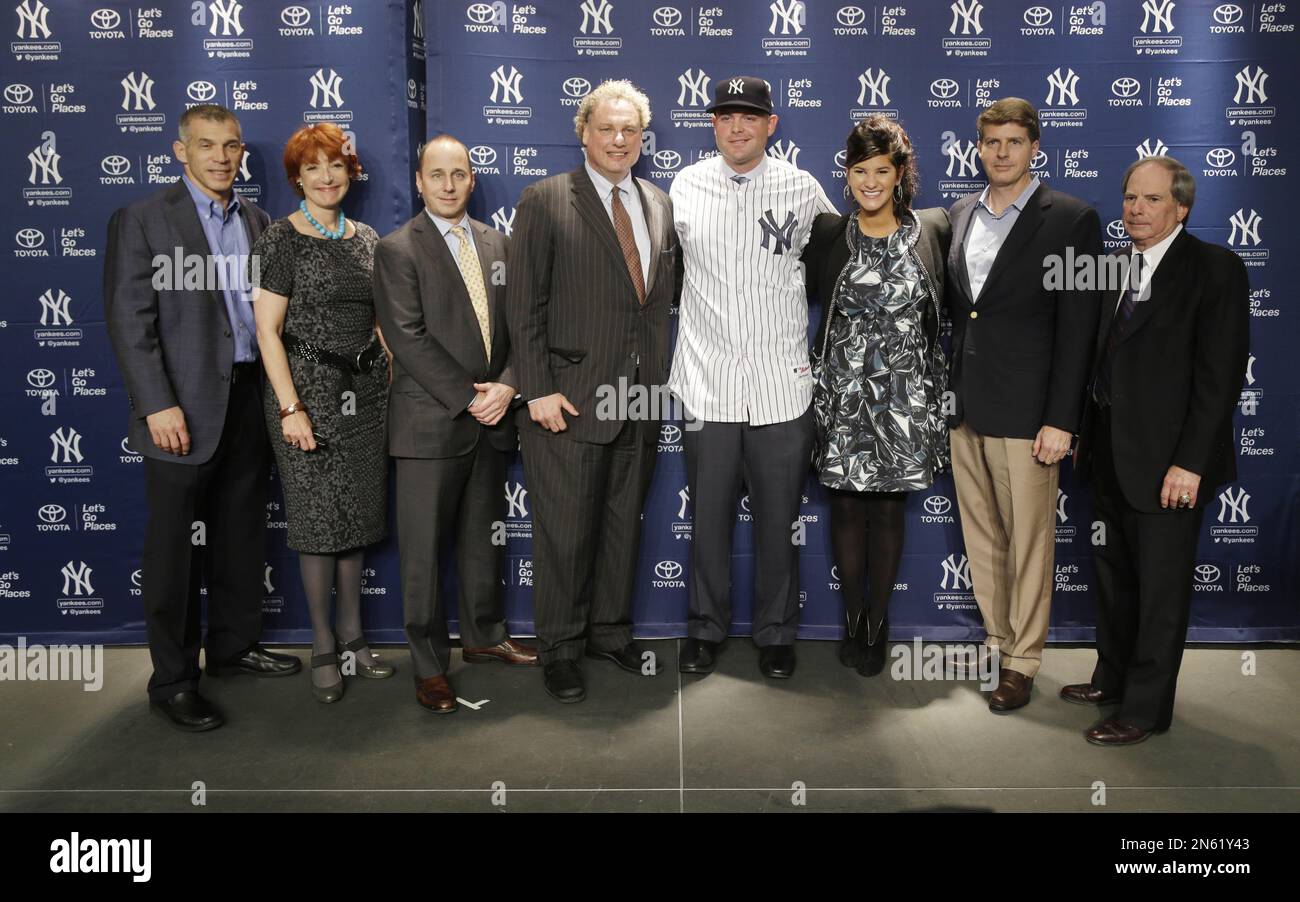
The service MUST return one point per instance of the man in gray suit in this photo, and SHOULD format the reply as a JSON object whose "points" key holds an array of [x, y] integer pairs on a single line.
{"points": [[593, 272], [439, 291], [189, 360]]}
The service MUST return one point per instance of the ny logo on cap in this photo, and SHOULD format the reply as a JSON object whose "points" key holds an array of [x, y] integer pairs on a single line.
{"points": [[736, 86]]}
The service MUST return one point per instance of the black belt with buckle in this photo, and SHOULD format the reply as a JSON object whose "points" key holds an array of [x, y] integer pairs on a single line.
{"points": [[362, 363]]}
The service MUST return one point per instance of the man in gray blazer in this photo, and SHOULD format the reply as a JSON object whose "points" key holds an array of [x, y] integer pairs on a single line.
{"points": [[439, 285], [189, 360], [593, 272]]}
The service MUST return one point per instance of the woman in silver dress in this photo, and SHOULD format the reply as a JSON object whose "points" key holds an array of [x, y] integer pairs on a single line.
{"points": [[878, 272]]}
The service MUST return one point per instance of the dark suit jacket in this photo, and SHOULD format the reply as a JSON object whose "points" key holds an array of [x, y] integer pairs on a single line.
{"points": [[1020, 353], [174, 348], [828, 252], [1176, 375], [575, 320], [430, 326]]}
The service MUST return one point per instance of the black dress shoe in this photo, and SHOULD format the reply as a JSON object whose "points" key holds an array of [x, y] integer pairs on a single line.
{"points": [[776, 661], [258, 662], [697, 656], [188, 711], [629, 657], [874, 649], [563, 682]]}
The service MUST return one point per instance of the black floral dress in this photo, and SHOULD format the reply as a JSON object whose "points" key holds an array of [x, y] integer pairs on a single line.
{"points": [[881, 377], [336, 496]]}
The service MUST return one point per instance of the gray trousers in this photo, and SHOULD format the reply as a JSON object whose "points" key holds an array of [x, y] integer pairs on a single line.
{"points": [[440, 500], [773, 462]]}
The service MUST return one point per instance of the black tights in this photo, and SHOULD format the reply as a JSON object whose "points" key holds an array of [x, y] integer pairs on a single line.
{"points": [[326, 577], [867, 539]]}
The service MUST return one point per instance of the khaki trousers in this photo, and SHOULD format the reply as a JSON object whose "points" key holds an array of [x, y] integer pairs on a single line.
{"points": [[1008, 520]]}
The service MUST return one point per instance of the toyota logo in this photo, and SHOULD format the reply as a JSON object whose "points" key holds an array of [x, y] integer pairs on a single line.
{"points": [[135, 578], [667, 159], [1039, 160], [1038, 16], [1206, 573], [127, 449], [1125, 87], [1115, 229], [295, 16], [835, 573], [667, 16], [577, 87], [410, 88], [104, 19], [1227, 14], [482, 155], [1220, 157], [937, 504], [29, 238], [40, 378], [842, 158], [51, 513], [669, 435], [201, 91], [479, 13], [850, 16], [744, 504], [115, 165], [18, 93], [668, 569], [943, 88]]}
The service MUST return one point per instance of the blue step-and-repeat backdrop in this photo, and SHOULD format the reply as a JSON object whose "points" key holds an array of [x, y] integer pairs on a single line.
{"points": [[90, 96]]}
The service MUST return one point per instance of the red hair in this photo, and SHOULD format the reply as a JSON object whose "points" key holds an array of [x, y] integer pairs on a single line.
{"points": [[305, 145]]}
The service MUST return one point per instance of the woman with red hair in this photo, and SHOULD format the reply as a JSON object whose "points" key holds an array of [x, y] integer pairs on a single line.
{"points": [[326, 394]]}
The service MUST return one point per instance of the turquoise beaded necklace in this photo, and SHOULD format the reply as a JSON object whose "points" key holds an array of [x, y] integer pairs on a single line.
{"points": [[333, 236]]}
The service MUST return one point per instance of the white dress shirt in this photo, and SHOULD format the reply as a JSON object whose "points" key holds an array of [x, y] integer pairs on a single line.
{"points": [[444, 228], [742, 342], [631, 200]]}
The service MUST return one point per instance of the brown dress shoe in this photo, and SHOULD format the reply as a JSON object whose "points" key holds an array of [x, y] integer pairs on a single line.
{"points": [[508, 652], [1112, 732], [435, 694], [1012, 692], [1084, 694]]}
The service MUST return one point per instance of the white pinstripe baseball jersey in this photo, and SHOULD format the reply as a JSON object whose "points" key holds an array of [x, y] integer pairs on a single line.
{"points": [[742, 343]]}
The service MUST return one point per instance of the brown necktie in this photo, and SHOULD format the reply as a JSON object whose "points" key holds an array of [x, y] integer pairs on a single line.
{"points": [[623, 227]]}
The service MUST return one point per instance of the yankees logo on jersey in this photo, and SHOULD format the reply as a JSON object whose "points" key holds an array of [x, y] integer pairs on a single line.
{"points": [[742, 343]]}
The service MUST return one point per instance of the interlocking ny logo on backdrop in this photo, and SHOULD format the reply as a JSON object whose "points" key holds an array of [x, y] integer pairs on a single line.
{"points": [[1245, 228], [789, 14], [968, 13], [509, 86], [1253, 85], [778, 239], [1159, 14], [1064, 88], [1233, 506], [225, 13], [137, 88], [45, 161], [956, 569], [697, 85], [76, 579], [877, 82], [327, 89], [67, 440], [54, 308], [32, 20], [596, 13]]}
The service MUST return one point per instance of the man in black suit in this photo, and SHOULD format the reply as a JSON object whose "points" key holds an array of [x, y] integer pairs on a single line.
{"points": [[189, 360], [1020, 355], [593, 272], [439, 285], [1170, 355]]}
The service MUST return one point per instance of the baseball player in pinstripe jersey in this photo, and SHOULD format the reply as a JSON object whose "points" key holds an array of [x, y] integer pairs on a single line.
{"points": [[741, 370]]}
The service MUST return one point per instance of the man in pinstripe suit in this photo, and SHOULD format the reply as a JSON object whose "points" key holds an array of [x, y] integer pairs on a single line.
{"points": [[593, 272], [741, 366]]}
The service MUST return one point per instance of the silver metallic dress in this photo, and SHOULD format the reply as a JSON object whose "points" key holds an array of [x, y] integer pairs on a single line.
{"points": [[880, 375]]}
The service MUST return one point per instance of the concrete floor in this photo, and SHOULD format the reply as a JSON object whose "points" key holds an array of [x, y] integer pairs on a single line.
{"points": [[731, 741]]}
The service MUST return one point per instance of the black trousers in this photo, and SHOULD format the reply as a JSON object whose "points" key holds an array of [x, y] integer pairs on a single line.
{"points": [[207, 523], [773, 462], [439, 501], [1144, 583], [586, 508]]}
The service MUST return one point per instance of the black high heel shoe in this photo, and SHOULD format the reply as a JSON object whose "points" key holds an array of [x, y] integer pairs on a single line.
{"points": [[371, 669], [875, 648], [851, 644]]}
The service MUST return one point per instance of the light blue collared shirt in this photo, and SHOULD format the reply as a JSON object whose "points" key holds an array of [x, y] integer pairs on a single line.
{"points": [[987, 232], [445, 227], [228, 237], [631, 200]]}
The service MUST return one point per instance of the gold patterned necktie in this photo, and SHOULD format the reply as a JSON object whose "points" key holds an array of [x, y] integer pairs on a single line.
{"points": [[631, 256], [472, 273]]}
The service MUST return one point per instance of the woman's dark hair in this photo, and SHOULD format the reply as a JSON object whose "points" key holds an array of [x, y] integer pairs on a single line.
{"points": [[876, 136]]}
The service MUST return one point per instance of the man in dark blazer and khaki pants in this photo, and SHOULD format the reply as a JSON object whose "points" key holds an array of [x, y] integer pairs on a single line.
{"points": [[593, 272], [1169, 358], [1020, 355], [190, 363], [439, 285]]}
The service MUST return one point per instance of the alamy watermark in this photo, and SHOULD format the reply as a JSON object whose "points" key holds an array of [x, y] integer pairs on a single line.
{"points": [[180, 271], [633, 401], [1089, 272], [64, 663]]}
